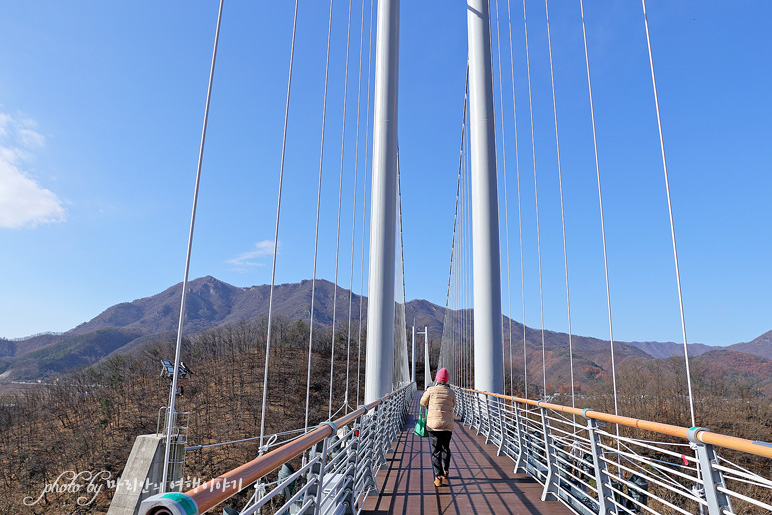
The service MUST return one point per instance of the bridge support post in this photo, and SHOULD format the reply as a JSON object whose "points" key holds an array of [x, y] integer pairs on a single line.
{"points": [[379, 365], [711, 477], [605, 506], [488, 341], [550, 484]]}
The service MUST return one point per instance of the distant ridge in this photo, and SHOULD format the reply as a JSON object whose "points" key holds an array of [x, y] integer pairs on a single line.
{"points": [[661, 350], [211, 303], [761, 346]]}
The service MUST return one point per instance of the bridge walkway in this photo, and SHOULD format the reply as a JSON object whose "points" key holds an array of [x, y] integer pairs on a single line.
{"points": [[479, 482]]}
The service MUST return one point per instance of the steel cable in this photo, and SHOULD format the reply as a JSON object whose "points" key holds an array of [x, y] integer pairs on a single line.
{"points": [[354, 209], [340, 198], [670, 213], [536, 201], [318, 206], [364, 201], [562, 209], [178, 346], [506, 196], [276, 229], [519, 208]]}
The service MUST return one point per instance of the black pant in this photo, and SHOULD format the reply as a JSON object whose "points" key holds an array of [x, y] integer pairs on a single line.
{"points": [[440, 441]]}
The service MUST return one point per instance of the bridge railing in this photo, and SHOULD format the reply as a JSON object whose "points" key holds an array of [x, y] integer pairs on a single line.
{"points": [[340, 459], [597, 463]]}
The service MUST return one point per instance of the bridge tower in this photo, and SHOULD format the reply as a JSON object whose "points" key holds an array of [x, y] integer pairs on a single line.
{"points": [[379, 366], [488, 339]]}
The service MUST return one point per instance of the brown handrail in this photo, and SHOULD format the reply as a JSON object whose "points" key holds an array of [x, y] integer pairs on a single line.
{"points": [[217, 490], [728, 442]]}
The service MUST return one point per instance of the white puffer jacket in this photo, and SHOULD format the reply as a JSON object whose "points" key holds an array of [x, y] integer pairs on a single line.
{"points": [[440, 400]]}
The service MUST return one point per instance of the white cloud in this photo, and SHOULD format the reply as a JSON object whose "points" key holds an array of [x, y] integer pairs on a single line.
{"points": [[31, 138], [23, 201], [252, 258]]}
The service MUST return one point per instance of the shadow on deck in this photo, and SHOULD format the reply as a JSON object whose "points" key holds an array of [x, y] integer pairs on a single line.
{"points": [[479, 482]]}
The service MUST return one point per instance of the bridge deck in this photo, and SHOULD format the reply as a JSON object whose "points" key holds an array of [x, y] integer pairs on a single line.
{"points": [[480, 481]]}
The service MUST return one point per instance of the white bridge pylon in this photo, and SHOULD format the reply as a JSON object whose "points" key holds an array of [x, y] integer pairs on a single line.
{"points": [[487, 267]]}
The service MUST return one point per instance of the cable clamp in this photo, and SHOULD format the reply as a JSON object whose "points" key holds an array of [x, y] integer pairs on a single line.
{"points": [[693, 433], [332, 424]]}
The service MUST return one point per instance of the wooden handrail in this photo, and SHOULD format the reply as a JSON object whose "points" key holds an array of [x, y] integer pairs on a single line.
{"points": [[728, 442]]}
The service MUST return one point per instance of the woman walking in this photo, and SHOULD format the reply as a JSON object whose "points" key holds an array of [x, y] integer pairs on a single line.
{"points": [[440, 400]]}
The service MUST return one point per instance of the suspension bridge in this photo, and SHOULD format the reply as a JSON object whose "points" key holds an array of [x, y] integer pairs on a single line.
{"points": [[514, 451]]}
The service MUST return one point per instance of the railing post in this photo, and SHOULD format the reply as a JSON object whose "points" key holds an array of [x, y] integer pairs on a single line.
{"points": [[317, 473], [605, 506], [502, 440], [712, 478], [384, 429], [393, 421], [379, 447], [550, 483], [349, 482], [364, 458], [521, 452], [477, 413], [487, 418]]}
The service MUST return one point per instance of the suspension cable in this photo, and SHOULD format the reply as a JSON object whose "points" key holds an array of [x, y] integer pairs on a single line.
{"points": [[402, 335], [602, 222], [340, 198], [458, 191], [506, 196], [536, 200], [465, 269], [364, 200], [178, 347], [318, 206], [519, 209], [603, 233], [670, 213], [354, 209], [562, 208], [276, 229]]}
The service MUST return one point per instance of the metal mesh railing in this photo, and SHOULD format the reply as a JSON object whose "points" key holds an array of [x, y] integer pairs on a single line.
{"points": [[592, 468], [339, 461]]}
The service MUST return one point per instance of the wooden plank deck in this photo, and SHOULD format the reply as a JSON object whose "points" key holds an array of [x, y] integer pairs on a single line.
{"points": [[479, 482]]}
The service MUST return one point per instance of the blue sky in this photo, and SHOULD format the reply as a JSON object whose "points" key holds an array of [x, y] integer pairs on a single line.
{"points": [[101, 106]]}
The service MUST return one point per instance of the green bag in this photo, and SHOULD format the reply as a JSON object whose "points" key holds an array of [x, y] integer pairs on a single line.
{"points": [[420, 425]]}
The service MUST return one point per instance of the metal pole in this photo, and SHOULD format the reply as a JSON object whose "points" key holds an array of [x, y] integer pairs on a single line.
{"points": [[427, 366], [412, 378], [488, 363], [383, 214]]}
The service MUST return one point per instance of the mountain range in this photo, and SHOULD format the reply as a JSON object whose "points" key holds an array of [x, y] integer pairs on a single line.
{"points": [[212, 303]]}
